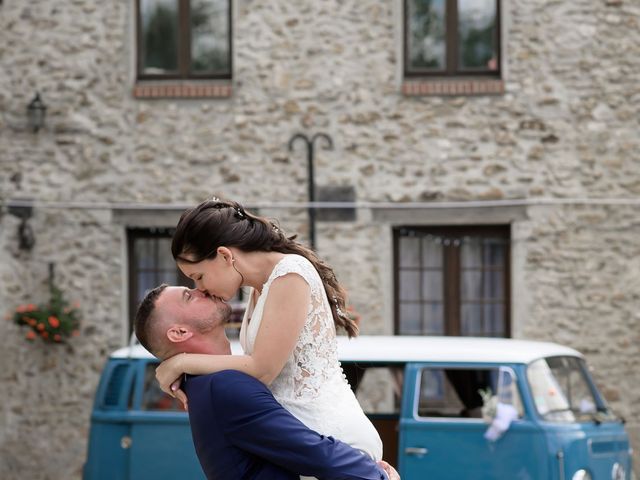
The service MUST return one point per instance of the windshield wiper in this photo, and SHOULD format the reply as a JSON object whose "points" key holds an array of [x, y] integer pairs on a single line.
{"points": [[558, 410], [594, 416]]}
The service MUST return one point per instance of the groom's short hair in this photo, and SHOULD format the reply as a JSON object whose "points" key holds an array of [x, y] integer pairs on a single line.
{"points": [[147, 320]]}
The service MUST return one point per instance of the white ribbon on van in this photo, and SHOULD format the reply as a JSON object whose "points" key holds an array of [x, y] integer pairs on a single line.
{"points": [[505, 408], [505, 414]]}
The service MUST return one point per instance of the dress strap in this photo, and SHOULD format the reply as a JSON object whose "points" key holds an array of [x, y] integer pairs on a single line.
{"points": [[299, 265]]}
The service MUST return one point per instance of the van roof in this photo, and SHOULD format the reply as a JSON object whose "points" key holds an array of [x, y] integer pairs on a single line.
{"points": [[379, 348]]}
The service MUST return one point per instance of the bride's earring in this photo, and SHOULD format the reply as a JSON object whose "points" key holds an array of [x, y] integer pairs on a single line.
{"points": [[233, 264]]}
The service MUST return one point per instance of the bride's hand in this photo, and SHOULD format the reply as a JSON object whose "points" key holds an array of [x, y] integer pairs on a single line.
{"points": [[391, 472], [168, 374]]}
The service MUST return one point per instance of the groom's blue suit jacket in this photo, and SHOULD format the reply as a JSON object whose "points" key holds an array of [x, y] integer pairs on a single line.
{"points": [[241, 432]]}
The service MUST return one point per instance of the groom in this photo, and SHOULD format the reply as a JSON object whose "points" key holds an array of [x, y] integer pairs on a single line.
{"points": [[239, 430]]}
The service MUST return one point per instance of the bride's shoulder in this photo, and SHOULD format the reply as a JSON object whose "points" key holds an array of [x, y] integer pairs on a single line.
{"points": [[293, 263]]}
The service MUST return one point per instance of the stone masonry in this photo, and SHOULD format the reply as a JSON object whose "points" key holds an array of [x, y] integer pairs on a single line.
{"points": [[565, 130]]}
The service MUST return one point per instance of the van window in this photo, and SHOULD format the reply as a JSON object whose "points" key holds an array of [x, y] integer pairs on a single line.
{"points": [[561, 390], [462, 393], [377, 388], [153, 398]]}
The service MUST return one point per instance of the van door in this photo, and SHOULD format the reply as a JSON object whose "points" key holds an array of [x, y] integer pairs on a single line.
{"points": [[442, 427], [160, 443]]}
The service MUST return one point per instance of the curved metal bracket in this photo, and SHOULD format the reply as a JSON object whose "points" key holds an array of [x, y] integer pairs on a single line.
{"points": [[310, 142]]}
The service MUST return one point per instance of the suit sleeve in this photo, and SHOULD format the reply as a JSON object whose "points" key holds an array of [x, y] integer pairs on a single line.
{"points": [[255, 422]]}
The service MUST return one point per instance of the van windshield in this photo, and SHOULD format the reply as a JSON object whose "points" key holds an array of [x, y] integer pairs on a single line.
{"points": [[562, 391]]}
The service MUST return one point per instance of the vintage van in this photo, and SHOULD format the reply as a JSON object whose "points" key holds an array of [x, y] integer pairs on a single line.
{"points": [[445, 407]]}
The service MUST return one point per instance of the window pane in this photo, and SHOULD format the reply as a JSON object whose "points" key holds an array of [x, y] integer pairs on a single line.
{"points": [[169, 277], [471, 314], [146, 281], [431, 386], [379, 389], [426, 30], [494, 252], [432, 285], [431, 253], [494, 320], [410, 323], [144, 253], [159, 36], [471, 253], [476, 34], [165, 259], [433, 318], [153, 398], [210, 36], [455, 392], [471, 285], [494, 284], [409, 252], [409, 285]]}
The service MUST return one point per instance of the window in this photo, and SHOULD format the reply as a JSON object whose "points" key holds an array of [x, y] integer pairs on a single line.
{"points": [[150, 264], [452, 281], [378, 388], [458, 392], [563, 392], [452, 38], [153, 398], [184, 39]]}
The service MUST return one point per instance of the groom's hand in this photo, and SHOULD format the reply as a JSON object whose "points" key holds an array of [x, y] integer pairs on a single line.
{"points": [[389, 470]]}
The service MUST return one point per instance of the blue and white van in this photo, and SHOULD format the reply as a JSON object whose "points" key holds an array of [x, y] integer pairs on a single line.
{"points": [[445, 407]]}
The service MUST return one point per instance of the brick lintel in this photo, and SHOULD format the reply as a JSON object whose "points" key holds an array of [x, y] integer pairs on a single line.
{"points": [[182, 90], [424, 87]]}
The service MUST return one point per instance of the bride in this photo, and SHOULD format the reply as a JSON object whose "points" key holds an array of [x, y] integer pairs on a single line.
{"points": [[289, 329]]}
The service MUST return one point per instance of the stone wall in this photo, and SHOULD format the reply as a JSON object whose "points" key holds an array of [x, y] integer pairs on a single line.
{"points": [[566, 127]]}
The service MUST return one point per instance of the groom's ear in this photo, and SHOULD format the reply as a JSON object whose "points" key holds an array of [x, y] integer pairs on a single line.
{"points": [[179, 333]]}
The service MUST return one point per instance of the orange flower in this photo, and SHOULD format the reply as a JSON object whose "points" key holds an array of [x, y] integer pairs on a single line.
{"points": [[31, 335], [31, 307], [21, 309], [41, 326], [31, 321], [57, 337], [54, 322], [45, 335]]}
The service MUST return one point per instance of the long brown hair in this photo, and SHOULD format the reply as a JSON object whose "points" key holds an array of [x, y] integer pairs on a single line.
{"points": [[223, 223]]}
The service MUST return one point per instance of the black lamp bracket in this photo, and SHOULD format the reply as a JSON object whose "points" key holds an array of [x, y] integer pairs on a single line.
{"points": [[24, 211]]}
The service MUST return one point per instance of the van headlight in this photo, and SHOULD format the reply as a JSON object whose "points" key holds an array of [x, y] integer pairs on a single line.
{"points": [[581, 475], [617, 472]]}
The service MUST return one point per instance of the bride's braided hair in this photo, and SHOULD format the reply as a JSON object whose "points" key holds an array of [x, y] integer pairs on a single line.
{"points": [[223, 223]]}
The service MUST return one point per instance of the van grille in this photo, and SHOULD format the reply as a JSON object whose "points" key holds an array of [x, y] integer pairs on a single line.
{"points": [[115, 385], [604, 447]]}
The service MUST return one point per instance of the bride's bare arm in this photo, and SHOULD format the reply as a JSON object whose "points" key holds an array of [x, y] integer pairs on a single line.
{"points": [[284, 315]]}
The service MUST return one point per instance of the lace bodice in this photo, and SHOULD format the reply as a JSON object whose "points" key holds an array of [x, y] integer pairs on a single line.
{"points": [[311, 384], [314, 359]]}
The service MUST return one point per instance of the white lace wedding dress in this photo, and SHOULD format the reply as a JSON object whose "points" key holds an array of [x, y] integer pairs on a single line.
{"points": [[312, 385]]}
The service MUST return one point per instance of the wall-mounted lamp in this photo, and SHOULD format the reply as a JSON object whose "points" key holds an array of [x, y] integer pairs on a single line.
{"points": [[36, 111], [25, 233]]}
